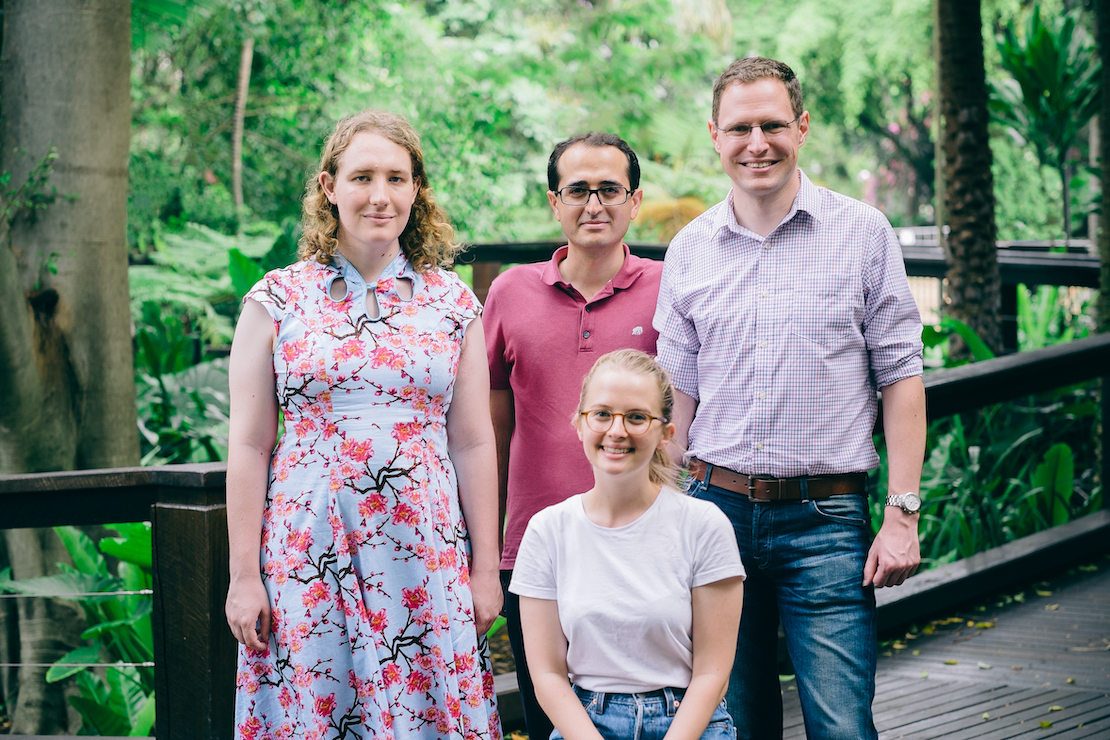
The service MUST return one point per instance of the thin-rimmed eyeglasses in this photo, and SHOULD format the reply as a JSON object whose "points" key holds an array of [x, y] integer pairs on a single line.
{"points": [[635, 422]]}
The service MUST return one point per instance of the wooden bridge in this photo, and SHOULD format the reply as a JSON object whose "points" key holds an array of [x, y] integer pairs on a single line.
{"points": [[1034, 666]]}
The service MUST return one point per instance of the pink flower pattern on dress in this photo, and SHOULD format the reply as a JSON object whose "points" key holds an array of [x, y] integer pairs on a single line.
{"points": [[364, 549]]}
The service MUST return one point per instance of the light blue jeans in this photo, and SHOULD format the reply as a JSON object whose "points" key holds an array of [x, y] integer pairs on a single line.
{"points": [[804, 561], [644, 716]]}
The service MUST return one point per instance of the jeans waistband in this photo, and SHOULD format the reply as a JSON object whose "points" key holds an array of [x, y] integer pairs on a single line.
{"points": [[670, 695], [767, 489]]}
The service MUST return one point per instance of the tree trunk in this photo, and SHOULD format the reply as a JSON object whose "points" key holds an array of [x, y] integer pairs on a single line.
{"points": [[67, 396], [237, 128], [974, 282]]}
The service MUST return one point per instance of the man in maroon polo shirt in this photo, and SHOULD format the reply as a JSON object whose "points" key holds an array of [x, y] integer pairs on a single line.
{"points": [[546, 324]]}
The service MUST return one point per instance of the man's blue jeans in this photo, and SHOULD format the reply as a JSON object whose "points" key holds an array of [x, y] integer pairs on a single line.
{"points": [[805, 566]]}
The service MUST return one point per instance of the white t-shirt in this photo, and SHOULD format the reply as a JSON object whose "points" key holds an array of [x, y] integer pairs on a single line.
{"points": [[624, 593]]}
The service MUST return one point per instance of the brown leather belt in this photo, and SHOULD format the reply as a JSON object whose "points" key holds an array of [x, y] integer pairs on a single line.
{"points": [[780, 489]]}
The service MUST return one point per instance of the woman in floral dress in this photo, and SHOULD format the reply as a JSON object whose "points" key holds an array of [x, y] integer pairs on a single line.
{"points": [[364, 546]]}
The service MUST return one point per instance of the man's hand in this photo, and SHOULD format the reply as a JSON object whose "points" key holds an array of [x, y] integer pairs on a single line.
{"points": [[895, 553], [485, 589]]}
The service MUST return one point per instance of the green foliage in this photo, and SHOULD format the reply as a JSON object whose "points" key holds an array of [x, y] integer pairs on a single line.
{"points": [[33, 194], [187, 277], [1027, 196], [937, 336], [1046, 316], [119, 699], [1005, 472], [1052, 91], [183, 416], [183, 303]]}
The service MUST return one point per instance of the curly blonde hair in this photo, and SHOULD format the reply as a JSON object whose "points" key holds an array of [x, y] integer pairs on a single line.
{"points": [[428, 239]]}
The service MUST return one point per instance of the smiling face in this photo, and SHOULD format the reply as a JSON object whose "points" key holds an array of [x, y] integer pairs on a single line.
{"points": [[616, 452], [373, 191], [594, 226], [761, 167]]}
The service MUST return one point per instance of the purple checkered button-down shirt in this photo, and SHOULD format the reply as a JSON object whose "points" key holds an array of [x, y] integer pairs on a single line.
{"points": [[784, 339]]}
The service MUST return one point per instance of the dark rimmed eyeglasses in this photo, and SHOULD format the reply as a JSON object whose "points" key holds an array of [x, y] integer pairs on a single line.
{"points": [[608, 195], [635, 422], [741, 131]]}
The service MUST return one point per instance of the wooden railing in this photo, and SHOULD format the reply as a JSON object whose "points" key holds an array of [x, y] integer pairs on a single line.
{"points": [[193, 648], [1017, 265], [194, 652]]}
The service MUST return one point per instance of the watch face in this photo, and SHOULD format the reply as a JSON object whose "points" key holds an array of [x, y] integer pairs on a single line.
{"points": [[911, 502]]}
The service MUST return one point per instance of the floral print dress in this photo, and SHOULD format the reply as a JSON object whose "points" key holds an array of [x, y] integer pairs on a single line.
{"points": [[364, 547]]}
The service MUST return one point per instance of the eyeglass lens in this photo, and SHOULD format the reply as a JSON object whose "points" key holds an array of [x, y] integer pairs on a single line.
{"points": [[577, 195], [601, 420], [769, 128]]}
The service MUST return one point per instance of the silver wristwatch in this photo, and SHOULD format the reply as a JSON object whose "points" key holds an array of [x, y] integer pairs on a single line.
{"points": [[907, 502]]}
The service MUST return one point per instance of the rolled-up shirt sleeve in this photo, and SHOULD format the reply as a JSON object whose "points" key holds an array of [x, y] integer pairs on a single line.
{"points": [[678, 337], [892, 323]]}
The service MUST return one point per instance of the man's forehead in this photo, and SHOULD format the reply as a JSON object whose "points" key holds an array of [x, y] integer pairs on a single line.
{"points": [[741, 97], [583, 163]]}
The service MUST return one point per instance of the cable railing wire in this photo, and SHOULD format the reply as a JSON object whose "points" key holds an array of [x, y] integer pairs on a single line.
{"points": [[79, 595], [147, 664]]}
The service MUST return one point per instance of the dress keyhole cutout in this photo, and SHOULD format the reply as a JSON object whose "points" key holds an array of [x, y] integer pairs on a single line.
{"points": [[404, 288], [338, 291]]}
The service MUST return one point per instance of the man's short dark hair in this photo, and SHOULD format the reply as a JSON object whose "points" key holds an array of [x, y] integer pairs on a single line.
{"points": [[594, 139], [753, 69]]}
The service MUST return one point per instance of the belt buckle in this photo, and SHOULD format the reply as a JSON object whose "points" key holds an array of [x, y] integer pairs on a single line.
{"points": [[752, 481]]}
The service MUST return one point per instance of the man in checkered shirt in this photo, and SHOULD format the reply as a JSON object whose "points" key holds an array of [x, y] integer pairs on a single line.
{"points": [[782, 309]]}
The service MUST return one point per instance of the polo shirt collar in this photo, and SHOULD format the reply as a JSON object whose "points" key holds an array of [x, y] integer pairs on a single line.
{"points": [[624, 278]]}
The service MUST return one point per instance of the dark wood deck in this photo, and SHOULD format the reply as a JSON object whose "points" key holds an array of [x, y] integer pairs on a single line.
{"points": [[1045, 658]]}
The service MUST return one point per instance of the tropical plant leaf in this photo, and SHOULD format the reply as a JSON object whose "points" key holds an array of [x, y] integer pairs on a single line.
{"points": [[98, 630], [85, 557], [133, 547], [244, 271], [62, 668], [126, 692], [143, 722], [64, 586], [979, 350], [99, 716], [1056, 476]]}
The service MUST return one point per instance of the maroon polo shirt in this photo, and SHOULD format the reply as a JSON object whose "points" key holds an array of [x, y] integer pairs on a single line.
{"points": [[542, 337]]}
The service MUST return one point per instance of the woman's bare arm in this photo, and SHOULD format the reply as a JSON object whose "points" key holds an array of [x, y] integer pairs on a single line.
{"points": [[546, 648], [716, 625], [470, 443], [251, 435]]}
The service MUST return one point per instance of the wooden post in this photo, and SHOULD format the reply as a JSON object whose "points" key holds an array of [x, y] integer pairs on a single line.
{"points": [[1009, 316], [194, 674], [484, 273]]}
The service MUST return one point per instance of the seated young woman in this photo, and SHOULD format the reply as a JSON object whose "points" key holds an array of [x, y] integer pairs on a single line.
{"points": [[630, 592]]}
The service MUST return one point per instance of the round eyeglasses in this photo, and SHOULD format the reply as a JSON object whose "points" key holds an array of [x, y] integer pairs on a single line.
{"points": [[608, 195], [742, 131], [635, 422]]}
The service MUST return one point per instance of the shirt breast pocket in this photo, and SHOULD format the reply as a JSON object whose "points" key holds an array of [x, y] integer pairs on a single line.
{"points": [[823, 318]]}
